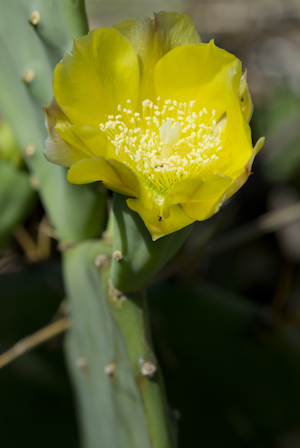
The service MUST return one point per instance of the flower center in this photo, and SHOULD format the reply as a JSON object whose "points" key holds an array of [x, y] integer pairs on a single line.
{"points": [[165, 143]]}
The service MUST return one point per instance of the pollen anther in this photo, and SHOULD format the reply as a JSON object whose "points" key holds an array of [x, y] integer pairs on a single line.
{"points": [[166, 142]]}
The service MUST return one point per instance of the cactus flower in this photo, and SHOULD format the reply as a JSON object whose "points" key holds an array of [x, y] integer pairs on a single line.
{"points": [[157, 116]]}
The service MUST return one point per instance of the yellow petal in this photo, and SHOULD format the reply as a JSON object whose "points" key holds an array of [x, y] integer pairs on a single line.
{"points": [[102, 73], [197, 72], [53, 113], [194, 190], [154, 222], [243, 177], [201, 210], [115, 175], [56, 150], [245, 98], [175, 30], [200, 198], [152, 38], [236, 136], [236, 139], [91, 141]]}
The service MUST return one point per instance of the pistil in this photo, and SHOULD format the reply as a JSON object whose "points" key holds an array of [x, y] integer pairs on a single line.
{"points": [[169, 135]]}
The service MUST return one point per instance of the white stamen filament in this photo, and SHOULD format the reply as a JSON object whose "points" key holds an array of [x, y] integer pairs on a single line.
{"points": [[166, 142]]}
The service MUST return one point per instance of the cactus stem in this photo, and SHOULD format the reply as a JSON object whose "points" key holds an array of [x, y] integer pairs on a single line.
{"points": [[28, 76], [132, 318], [29, 150], [34, 18], [63, 246], [121, 399], [117, 255]]}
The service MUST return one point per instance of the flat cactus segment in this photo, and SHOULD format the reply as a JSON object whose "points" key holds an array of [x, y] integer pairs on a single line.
{"points": [[131, 314], [110, 404], [68, 22], [33, 38], [110, 357], [16, 198]]}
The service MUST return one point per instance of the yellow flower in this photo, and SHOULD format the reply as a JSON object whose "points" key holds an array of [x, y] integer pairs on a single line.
{"points": [[155, 115]]}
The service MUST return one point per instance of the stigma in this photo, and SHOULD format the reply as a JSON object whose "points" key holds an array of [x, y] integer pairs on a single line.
{"points": [[169, 134]]}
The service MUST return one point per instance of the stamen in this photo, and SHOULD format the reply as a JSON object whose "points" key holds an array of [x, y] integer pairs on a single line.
{"points": [[167, 142]]}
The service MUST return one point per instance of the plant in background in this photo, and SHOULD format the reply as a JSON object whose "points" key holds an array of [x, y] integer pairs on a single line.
{"points": [[17, 196], [9, 150]]}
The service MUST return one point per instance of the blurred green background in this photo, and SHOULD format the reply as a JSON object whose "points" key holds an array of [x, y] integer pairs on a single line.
{"points": [[226, 311]]}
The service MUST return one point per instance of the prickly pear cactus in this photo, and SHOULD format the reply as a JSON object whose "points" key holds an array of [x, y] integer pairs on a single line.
{"points": [[114, 371], [16, 193], [112, 363], [34, 36]]}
